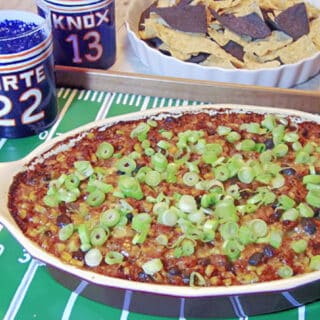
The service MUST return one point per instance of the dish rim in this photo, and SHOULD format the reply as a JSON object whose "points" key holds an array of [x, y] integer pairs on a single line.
{"points": [[10, 169]]}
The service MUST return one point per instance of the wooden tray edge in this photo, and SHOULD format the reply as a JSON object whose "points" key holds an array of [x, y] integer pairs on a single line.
{"points": [[205, 91]]}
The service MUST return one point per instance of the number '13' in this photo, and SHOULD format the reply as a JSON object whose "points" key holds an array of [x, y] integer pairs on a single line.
{"points": [[94, 44]]}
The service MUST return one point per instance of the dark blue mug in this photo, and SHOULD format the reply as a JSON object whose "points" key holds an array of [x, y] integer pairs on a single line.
{"points": [[27, 85], [83, 31]]}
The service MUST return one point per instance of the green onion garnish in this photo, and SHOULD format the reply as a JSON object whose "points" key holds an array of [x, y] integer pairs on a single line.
{"points": [[105, 150], [153, 266]]}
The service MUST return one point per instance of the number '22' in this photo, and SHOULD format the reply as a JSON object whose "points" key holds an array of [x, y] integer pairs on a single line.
{"points": [[29, 115]]}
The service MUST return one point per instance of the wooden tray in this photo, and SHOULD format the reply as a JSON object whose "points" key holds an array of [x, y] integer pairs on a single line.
{"points": [[206, 91]]}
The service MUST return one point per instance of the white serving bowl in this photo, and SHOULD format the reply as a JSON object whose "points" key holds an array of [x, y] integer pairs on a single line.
{"points": [[284, 76]]}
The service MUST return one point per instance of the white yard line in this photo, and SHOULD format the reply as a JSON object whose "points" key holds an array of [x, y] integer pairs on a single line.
{"points": [[126, 305], [66, 93], [302, 313], [73, 297], [62, 113], [2, 142], [21, 291]]}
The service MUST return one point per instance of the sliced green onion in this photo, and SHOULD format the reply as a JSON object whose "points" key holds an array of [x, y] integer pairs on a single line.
{"points": [[83, 169], [51, 200], [145, 144], [246, 235], [130, 187], [226, 210], [311, 178], [98, 236], [259, 227], [196, 279], [278, 134], [185, 249], [285, 272], [141, 222], [229, 230], [162, 239], [196, 216], [153, 178], [113, 257], [302, 157], [246, 174], [280, 150], [126, 165], [221, 173], [233, 191], [84, 237], [153, 266], [266, 156], [141, 174], [315, 262], [190, 179], [95, 198], [291, 137], [286, 202], [66, 232], [313, 198], [171, 172], [140, 131], [233, 136], [223, 130], [105, 150], [209, 157], [93, 257], [278, 181], [110, 218], [232, 249], [159, 162], [152, 123], [290, 214], [246, 145], [269, 122], [72, 182], [275, 238], [168, 218], [167, 134], [165, 145], [187, 204], [299, 246], [305, 210]]}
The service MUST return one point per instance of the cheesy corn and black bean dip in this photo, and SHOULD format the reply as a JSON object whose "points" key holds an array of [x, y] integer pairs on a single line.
{"points": [[199, 199]]}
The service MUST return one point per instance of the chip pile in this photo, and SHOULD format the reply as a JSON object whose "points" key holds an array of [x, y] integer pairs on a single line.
{"points": [[233, 34]]}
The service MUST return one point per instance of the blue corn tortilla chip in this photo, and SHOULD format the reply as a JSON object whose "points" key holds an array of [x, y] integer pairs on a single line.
{"points": [[235, 49], [251, 25], [293, 21], [184, 17]]}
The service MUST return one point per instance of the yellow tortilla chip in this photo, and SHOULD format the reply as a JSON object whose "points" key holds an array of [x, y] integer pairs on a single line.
{"points": [[218, 5], [315, 32], [301, 49], [216, 61], [251, 61], [261, 47]]}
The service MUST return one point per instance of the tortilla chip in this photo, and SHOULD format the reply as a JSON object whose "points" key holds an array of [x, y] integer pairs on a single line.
{"points": [[262, 47], [251, 25], [251, 61], [315, 32], [216, 61], [185, 18], [235, 49], [293, 21], [301, 49]]}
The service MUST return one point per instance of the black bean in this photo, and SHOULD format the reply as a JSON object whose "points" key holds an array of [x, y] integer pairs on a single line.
{"points": [[317, 213], [186, 279], [268, 251], [288, 172], [255, 258], [120, 173], [63, 220], [78, 255], [174, 271], [154, 42], [269, 144], [129, 216], [169, 120], [309, 226], [143, 276]]}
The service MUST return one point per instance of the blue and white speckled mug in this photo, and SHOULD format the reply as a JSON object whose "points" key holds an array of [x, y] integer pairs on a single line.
{"points": [[27, 86], [83, 31]]}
